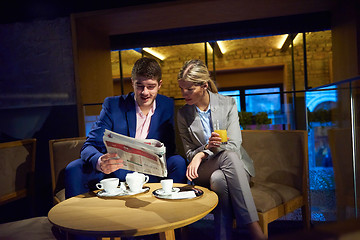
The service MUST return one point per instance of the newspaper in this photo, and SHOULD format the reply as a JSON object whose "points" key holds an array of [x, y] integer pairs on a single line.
{"points": [[139, 155]]}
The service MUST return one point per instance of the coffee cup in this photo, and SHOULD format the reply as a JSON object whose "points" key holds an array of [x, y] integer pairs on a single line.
{"points": [[108, 184], [135, 181], [167, 185]]}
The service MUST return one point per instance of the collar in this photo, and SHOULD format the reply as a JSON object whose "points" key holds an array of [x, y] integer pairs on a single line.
{"points": [[201, 111], [138, 110]]}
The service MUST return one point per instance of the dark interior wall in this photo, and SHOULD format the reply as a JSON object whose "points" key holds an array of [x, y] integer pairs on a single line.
{"points": [[37, 96], [44, 124], [346, 40], [36, 64]]}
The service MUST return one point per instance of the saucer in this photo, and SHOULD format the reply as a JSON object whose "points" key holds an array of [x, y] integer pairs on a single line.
{"points": [[120, 192], [161, 192], [102, 193], [128, 192], [186, 192]]}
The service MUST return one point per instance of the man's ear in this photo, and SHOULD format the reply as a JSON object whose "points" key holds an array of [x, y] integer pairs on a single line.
{"points": [[160, 83], [132, 85]]}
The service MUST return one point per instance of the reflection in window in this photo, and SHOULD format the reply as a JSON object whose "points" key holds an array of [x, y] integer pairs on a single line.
{"points": [[320, 103], [269, 103], [263, 103]]}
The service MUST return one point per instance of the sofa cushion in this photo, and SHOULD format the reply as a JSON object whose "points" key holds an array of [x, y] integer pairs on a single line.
{"points": [[278, 155], [63, 152], [61, 195], [268, 195], [32, 228]]}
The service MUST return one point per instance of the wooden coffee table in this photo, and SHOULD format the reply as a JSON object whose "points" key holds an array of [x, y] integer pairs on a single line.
{"points": [[136, 215]]}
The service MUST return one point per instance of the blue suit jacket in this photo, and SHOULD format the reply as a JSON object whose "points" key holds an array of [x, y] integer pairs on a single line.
{"points": [[118, 114]]}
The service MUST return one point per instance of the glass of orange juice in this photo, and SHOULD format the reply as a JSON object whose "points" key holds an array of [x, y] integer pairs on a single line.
{"points": [[221, 132]]}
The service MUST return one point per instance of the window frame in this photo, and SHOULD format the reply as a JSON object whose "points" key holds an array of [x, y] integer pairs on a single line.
{"points": [[243, 88]]}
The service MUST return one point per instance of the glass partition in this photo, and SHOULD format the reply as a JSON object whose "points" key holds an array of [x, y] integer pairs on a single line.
{"points": [[334, 150]]}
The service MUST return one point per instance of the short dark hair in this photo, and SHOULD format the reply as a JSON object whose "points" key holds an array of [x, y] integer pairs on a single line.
{"points": [[146, 67]]}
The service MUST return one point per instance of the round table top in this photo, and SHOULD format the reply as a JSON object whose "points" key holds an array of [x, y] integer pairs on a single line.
{"points": [[136, 215]]}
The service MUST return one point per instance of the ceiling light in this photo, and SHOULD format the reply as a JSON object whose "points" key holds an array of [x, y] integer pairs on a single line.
{"points": [[215, 48], [282, 41], [209, 46], [154, 53], [221, 46], [297, 39]]}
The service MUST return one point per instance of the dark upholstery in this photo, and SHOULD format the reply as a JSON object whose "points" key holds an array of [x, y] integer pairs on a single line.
{"points": [[279, 163], [62, 152], [38, 228], [17, 164], [281, 166]]}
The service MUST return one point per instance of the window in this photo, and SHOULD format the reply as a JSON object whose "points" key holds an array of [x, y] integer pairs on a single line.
{"points": [[264, 102], [253, 99], [235, 94]]}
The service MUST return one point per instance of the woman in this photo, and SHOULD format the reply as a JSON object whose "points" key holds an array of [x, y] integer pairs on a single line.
{"points": [[224, 168]]}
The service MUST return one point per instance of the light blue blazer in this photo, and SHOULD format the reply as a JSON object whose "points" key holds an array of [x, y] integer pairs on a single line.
{"points": [[223, 109]]}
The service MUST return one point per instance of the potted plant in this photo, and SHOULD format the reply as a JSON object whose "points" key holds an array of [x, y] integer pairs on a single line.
{"points": [[245, 119], [249, 121]]}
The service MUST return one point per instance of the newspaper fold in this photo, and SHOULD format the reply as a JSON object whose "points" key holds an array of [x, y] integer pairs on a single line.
{"points": [[140, 155]]}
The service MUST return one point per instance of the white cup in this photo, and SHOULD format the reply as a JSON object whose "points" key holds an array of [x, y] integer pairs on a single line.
{"points": [[108, 184], [136, 181], [167, 185]]}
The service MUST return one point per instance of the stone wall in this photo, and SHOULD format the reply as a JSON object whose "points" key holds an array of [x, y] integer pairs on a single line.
{"points": [[248, 53]]}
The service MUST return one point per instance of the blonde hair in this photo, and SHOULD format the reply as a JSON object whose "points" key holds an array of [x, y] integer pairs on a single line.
{"points": [[195, 71]]}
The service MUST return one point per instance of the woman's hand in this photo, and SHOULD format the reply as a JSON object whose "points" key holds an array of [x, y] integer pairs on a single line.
{"points": [[214, 140], [192, 169]]}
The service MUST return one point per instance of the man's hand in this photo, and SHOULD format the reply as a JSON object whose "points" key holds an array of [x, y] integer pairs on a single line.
{"points": [[110, 162]]}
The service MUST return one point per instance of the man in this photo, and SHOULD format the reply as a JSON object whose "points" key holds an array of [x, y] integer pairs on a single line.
{"points": [[141, 114]]}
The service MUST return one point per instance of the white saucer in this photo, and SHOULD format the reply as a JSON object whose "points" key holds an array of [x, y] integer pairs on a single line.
{"points": [[102, 193], [161, 192], [128, 192], [120, 192]]}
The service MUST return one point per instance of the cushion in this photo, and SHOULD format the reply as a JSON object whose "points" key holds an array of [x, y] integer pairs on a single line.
{"points": [[278, 155], [15, 165], [32, 228], [268, 195], [61, 195], [64, 151]]}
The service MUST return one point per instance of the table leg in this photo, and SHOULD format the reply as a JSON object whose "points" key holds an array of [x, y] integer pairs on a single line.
{"points": [[167, 235]]}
